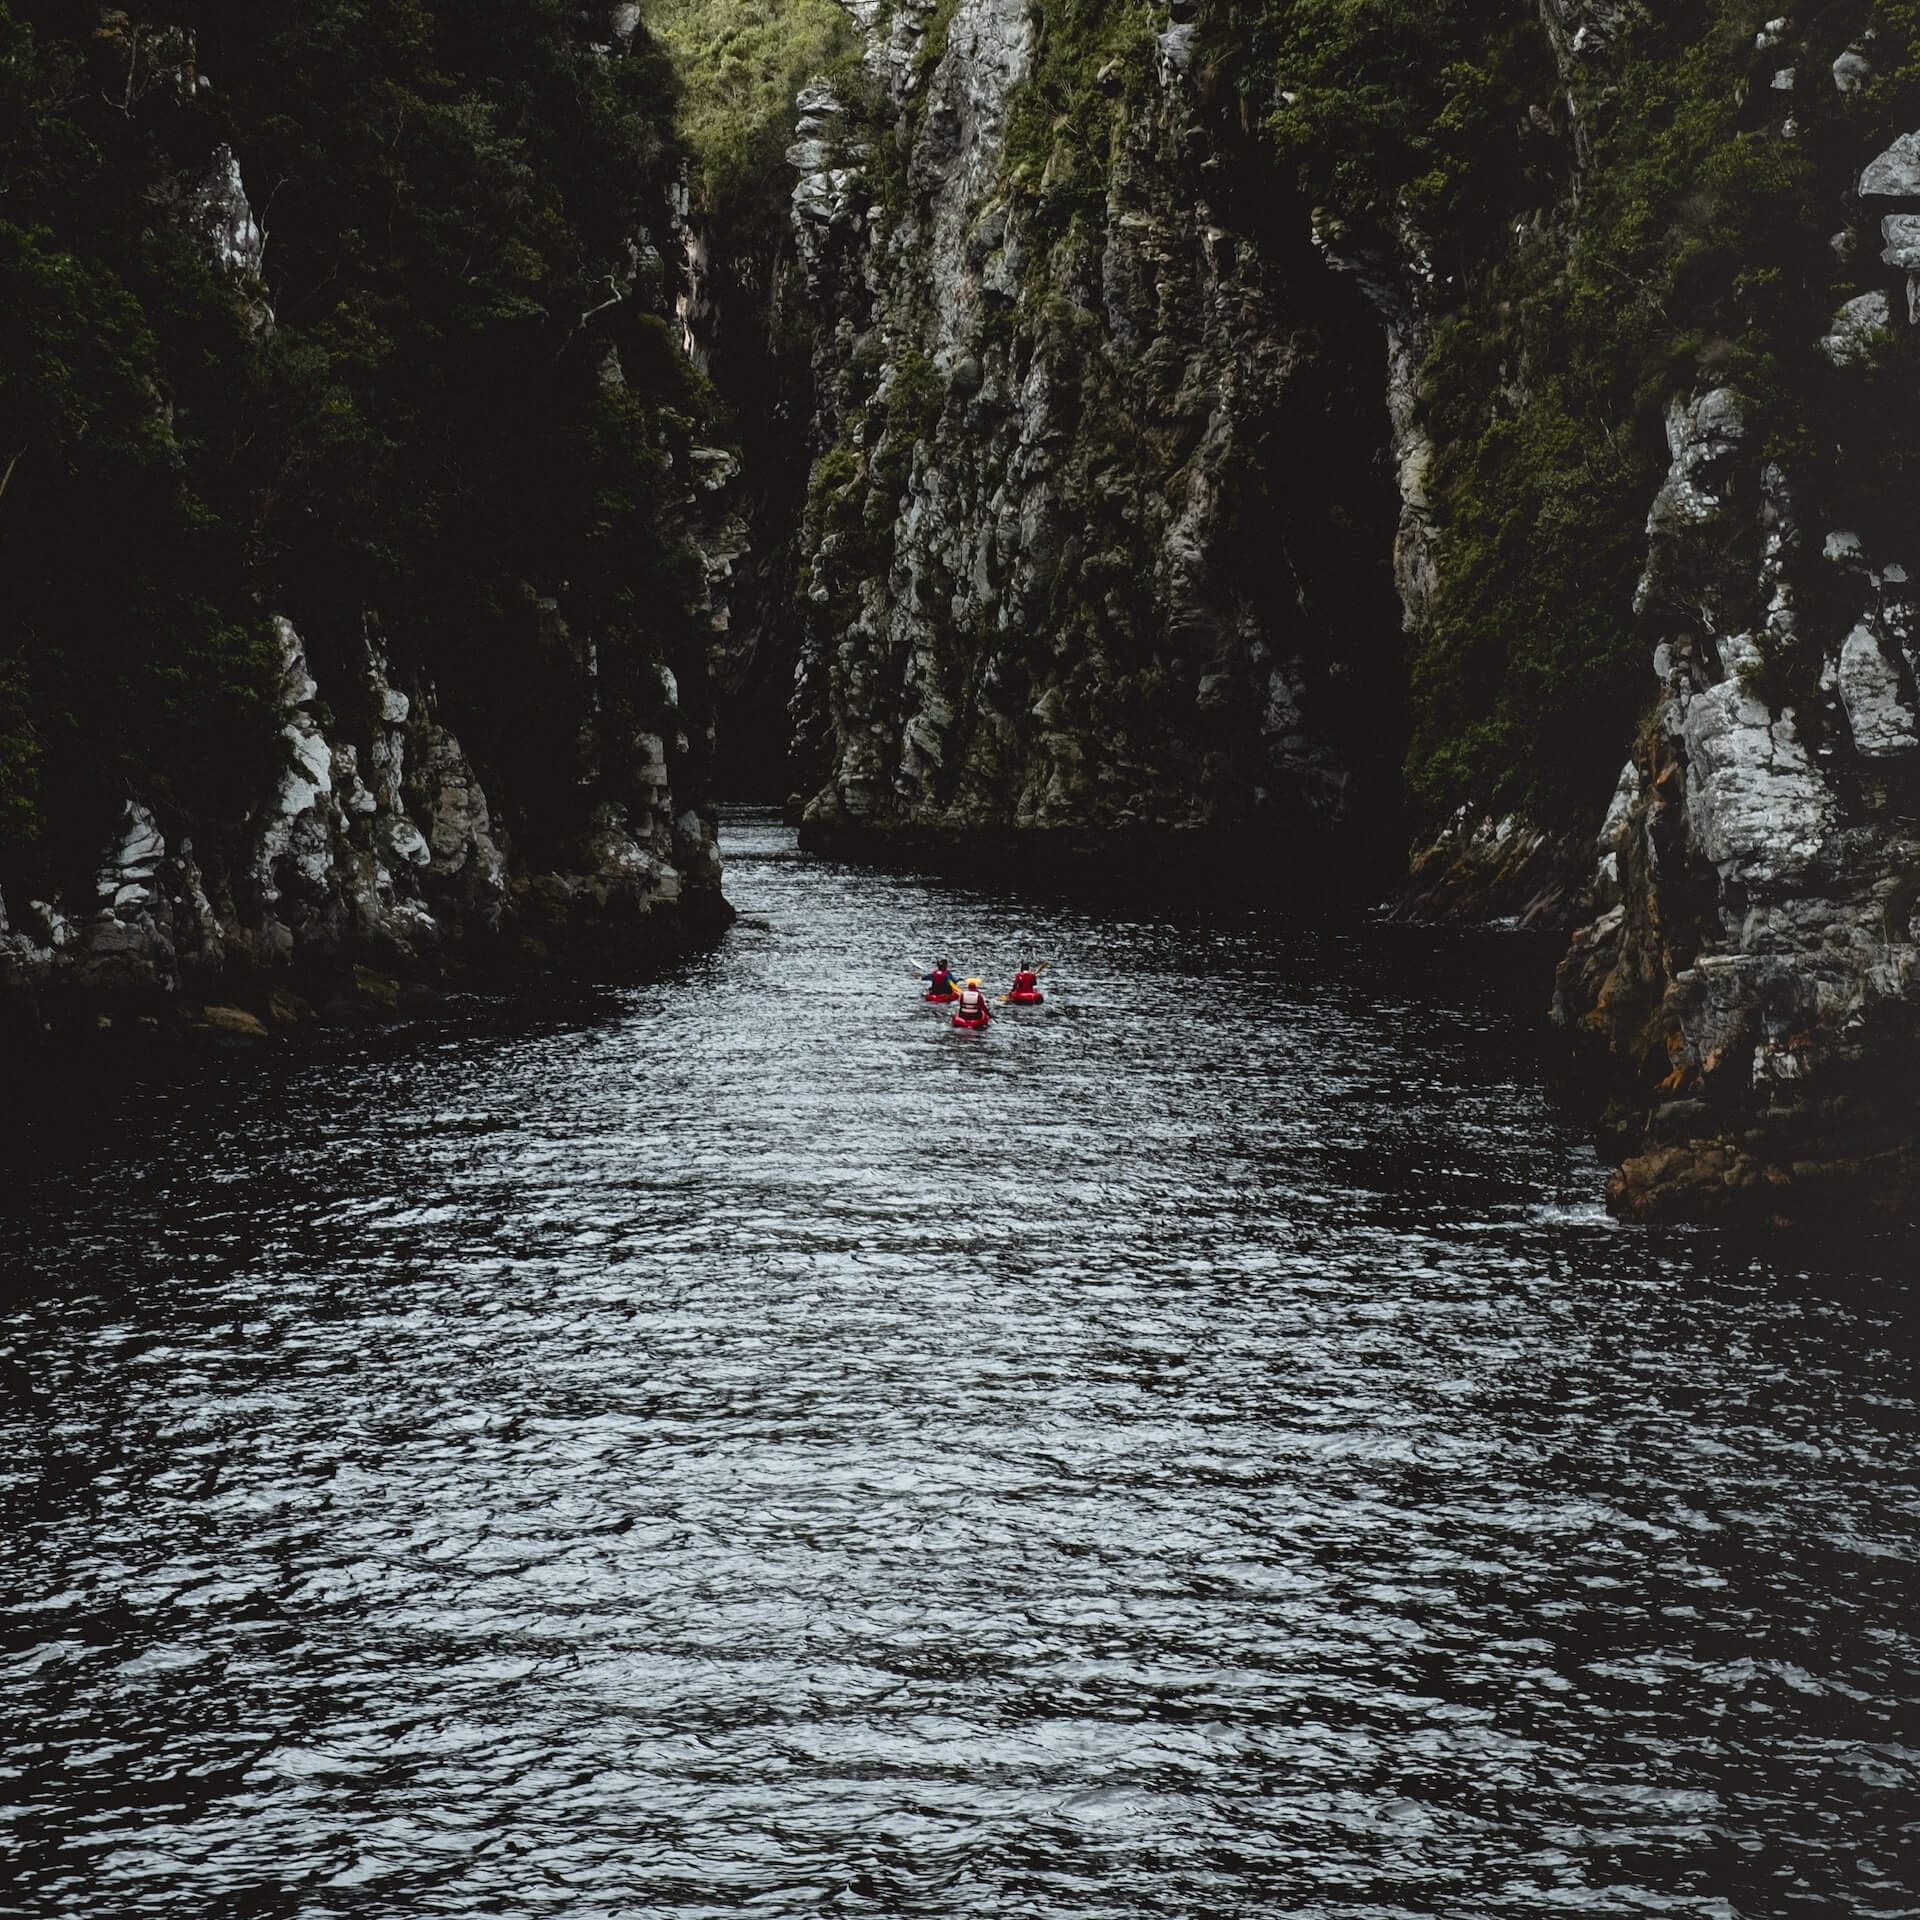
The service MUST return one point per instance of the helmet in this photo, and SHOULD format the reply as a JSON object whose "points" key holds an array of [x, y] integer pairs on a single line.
{"points": [[973, 983]]}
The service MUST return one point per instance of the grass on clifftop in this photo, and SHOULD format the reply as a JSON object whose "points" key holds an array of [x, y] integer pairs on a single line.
{"points": [[740, 64]]}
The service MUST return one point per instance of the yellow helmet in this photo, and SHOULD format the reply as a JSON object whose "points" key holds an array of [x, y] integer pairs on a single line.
{"points": [[973, 983]]}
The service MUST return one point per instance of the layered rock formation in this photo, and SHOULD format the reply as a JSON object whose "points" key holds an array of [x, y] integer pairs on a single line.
{"points": [[376, 861], [1741, 972], [1100, 458], [397, 672], [1754, 953], [1743, 979], [1133, 468]]}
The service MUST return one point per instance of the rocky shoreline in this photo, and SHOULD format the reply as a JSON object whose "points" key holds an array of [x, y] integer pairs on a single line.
{"points": [[375, 878]]}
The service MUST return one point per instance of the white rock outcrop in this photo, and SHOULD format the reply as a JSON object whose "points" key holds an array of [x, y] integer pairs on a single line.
{"points": [[1760, 814], [1879, 712], [1895, 173], [1857, 328]]}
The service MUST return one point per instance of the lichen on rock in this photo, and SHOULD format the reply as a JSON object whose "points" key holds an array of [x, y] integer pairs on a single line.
{"points": [[1058, 577]]}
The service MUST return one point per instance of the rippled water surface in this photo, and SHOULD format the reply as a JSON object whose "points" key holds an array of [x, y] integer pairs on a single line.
{"points": [[1199, 1449]]}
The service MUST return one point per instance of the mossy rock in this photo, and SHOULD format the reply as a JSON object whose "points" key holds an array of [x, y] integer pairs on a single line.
{"points": [[375, 990], [233, 1026]]}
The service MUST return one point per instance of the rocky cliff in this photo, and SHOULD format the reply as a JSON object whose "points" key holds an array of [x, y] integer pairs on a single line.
{"points": [[1744, 975], [1236, 432], [1101, 466], [363, 539], [1239, 421], [1752, 972], [374, 865]]}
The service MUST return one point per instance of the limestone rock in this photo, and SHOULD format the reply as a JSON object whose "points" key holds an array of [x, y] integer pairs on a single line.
{"points": [[1858, 327], [127, 880], [1901, 232], [1878, 709], [459, 832], [1895, 173], [1702, 436], [1851, 71], [1759, 813]]}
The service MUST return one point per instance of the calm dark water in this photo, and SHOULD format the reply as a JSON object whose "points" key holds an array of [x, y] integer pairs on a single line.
{"points": [[1198, 1450]]}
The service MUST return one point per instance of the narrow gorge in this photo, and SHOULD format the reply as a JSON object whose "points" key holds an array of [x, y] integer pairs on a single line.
{"points": [[959, 958], [1214, 447], [1247, 440]]}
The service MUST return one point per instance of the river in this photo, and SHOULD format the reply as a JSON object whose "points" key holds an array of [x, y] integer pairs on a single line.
{"points": [[738, 1445]]}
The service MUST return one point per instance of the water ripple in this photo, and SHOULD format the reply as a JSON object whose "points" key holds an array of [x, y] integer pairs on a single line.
{"points": [[1198, 1449]]}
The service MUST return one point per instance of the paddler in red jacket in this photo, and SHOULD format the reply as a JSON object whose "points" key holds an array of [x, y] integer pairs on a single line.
{"points": [[1025, 981], [940, 982]]}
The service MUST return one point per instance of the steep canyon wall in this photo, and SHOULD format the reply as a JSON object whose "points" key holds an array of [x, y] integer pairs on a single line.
{"points": [[1275, 427], [1071, 579], [362, 536]]}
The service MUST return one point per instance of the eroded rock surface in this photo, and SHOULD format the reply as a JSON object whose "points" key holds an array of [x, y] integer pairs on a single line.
{"points": [[375, 858], [1755, 959], [1063, 576]]}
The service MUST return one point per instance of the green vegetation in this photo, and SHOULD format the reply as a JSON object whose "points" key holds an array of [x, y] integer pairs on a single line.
{"points": [[1060, 133], [1398, 113], [454, 195], [740, 65], [1694, 254], [129, 648]]}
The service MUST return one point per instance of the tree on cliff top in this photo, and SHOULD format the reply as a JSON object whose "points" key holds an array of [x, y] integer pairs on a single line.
{"points": [[466, 386]]}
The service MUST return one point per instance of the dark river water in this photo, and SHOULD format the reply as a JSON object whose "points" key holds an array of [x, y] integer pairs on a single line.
{"points": [[1198, 1449]]}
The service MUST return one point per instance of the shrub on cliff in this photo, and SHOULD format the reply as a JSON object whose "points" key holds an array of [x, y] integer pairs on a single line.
{"points": [[458, 201], [1693, 253], [740, 64]]}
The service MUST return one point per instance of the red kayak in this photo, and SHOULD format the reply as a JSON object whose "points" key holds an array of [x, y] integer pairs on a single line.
{"points": [[973, 1026], [941, 999], [1025, 999]]}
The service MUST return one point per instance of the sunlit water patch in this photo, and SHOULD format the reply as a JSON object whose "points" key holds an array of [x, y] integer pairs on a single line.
{"points": [[1199, 1448]]}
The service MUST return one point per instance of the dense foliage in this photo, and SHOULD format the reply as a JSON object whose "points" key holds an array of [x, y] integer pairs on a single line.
{"points": [[1692, 251], [449, 385], [741, 64]]}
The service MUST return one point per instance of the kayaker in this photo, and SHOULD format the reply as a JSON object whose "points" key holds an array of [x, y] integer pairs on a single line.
{"points": [[973, 1004], [1025, 980], [940, 981]]}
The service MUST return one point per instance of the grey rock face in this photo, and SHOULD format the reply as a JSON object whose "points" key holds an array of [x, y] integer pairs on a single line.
{"points": [[1758, 814], [1746, 964], [1894, 174], [1879, 711], [380, 850], [1901, 232], [1851, 71], [231, 233], [1702, 437], [1753, 942], [1057, 579], [1857, 327]]}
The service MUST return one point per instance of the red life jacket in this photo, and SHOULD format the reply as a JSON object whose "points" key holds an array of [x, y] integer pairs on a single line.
{"points": [[973, 1005], [1025, 982]]}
